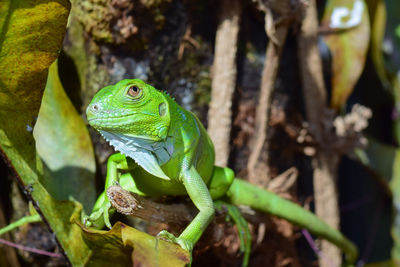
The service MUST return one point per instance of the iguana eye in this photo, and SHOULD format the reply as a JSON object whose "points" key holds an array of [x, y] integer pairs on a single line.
{"points": [[134, 91]]}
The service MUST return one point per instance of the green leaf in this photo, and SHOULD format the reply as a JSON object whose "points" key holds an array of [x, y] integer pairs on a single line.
{"points": [[385, 16], [377, 14], [64, 145], [124, 244], [384, 160], [345, 26], [381, 264], [30, 39], [31, 34], [397, 31]]}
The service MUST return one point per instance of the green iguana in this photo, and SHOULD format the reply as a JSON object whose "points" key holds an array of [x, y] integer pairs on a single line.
{"points": [[165, 150]]}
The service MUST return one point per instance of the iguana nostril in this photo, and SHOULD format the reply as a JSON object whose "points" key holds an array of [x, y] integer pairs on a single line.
{"points": [[92, 111]]}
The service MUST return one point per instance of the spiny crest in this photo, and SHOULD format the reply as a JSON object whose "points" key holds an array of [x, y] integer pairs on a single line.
{"points": [[167, 94]]}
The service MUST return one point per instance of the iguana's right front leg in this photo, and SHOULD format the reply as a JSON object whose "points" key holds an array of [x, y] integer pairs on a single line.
{"points": [[101, 209]]}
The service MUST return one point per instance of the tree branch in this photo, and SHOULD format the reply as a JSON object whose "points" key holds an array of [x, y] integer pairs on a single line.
{"points": [[277, 33], [325, 163], [129, 203], [224, 79]]}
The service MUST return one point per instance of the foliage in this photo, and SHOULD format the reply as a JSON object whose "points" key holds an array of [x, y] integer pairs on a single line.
{"points": [[344, 22]]}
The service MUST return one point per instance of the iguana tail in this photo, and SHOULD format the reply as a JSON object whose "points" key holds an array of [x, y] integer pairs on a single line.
{"points": [[244, 193]]}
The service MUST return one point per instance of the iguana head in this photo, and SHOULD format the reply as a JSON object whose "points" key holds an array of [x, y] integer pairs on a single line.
{"points": [[131, 108]]}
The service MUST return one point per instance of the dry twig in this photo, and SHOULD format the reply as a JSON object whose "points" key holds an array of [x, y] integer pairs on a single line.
{"points": [[278, 17], [224, 79], [129, 203], [324, 164]]}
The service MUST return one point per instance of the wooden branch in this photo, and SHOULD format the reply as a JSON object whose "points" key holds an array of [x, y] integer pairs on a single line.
{"points": [[129, 203], [326, 162], [277, 34], [224, 79]]}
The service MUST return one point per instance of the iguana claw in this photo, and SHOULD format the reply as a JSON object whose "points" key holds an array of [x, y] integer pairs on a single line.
{"points": [[185, 244], [94, 219]]}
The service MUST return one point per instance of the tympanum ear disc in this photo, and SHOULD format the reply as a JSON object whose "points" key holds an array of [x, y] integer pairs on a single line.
{"points": [[162, 109]]}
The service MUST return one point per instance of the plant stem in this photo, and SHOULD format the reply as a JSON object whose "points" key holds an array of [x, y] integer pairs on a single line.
{"points": [[20, 222]]}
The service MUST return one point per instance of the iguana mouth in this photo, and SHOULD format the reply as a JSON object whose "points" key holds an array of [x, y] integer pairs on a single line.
{"points": [[108, 122], [99, 117]]}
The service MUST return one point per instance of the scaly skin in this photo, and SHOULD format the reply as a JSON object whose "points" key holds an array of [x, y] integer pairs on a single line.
{"points": [[167, 151]]}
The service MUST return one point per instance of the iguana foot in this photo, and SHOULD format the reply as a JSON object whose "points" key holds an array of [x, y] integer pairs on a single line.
{"points": [[99, 217], [185, 244]]}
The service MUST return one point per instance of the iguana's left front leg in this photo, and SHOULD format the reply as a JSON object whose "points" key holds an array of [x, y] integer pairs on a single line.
{"points": [[100, 213], [198, 193]]}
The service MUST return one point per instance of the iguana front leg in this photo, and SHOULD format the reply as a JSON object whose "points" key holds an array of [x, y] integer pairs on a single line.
{"points": [[198, 193], [100, 213]]}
